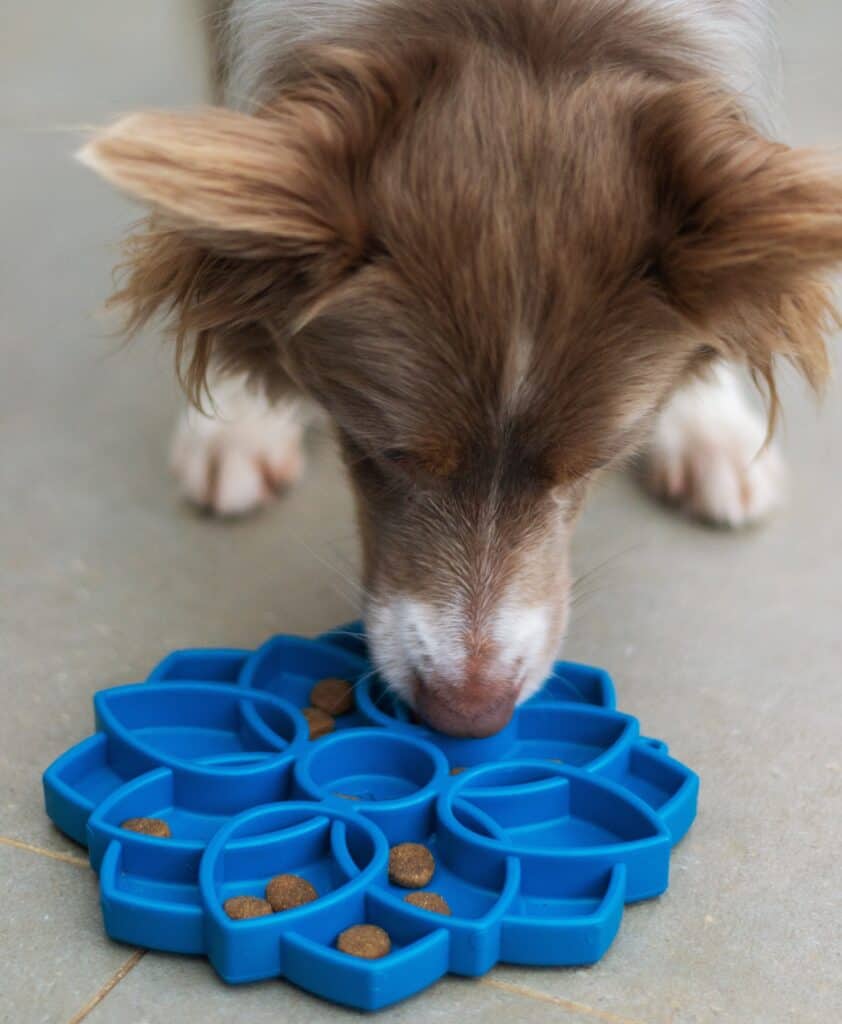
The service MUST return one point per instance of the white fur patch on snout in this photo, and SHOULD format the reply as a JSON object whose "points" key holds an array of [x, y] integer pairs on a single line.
{"points": [[412, 638]]}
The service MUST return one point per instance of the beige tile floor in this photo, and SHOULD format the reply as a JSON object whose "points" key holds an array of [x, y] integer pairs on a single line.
{"points": [[730, 647]]}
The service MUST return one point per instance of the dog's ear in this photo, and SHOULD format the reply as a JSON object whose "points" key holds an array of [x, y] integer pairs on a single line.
{"points": [[256, 186], [750, 229], [253, 216]]}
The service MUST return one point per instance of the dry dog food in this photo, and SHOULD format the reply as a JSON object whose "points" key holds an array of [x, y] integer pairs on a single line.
{"points": [[335, 696], [366, 941], [148, 827], [320, 722], [456, 771], [411, 865], [428, 901], [239, 908], [284, 892], [347, 796]]}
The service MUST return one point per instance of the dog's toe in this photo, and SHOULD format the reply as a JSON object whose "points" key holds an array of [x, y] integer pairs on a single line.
{"points": [[233, 467], [708, 457]]}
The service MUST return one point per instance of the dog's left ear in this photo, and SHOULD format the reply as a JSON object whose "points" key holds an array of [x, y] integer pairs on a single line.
{"points": [[750, 230]]}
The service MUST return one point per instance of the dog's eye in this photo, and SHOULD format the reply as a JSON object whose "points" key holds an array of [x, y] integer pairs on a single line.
{"points": [[400, 458]]}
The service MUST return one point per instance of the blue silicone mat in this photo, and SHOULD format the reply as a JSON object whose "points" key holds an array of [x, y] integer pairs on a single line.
{"points": [[540, 839]]}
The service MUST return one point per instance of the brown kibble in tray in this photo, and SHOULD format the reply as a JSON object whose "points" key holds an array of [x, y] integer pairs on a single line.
{"points": [[241, 908], [335, 696], [148, 827], [411, 865], [429, 901], [367, 941], [456, 771], [286, 892], [320, 722]]}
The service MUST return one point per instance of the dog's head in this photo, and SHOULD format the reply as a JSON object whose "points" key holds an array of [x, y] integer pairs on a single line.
{"points": [[491, 267]]}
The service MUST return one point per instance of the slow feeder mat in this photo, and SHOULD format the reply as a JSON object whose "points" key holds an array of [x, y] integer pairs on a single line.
{"points": [[540, 838]]}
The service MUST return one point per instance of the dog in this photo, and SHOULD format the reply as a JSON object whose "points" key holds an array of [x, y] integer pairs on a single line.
{"points": [[505, 245]]}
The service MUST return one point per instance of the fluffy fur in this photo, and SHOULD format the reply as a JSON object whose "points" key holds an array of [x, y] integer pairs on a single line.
{"points": [[493, 239]]}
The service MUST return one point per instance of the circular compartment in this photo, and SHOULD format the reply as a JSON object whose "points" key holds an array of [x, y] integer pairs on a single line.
{"points": [[392, 778]]}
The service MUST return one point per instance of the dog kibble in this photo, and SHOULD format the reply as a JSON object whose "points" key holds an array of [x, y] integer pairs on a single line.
{"points": [[347, 796], [148, 827], [366, 941], [285, 892], [429, 901], [335, 696], [456, 771], [240, 908], [411, 865], [320, 722]]}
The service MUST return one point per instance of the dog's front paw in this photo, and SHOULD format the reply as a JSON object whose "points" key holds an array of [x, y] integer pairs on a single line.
{"points": [[235, 460], [707, 456]]}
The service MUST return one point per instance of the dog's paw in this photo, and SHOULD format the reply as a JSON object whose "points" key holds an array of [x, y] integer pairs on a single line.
{"points": [[707, 456], [237, 458]]}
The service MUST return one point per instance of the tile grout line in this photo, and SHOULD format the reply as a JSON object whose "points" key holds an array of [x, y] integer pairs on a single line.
{"points": [[65, 858], [564, 1004], [109, 986]]}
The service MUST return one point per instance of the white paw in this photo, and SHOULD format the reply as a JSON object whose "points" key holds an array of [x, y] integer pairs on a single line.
{"points": [[239, 456], [707, 456]]}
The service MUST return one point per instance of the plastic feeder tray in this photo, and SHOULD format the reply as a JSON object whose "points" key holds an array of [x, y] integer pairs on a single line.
{"points": [[546, 832]]}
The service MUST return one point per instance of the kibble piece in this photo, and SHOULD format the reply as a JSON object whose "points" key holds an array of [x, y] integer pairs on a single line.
{"points": [[239, 908], [336, 696], [284, 892], [320, 722], [148, 827], [429, 901], [456, 771], [347, 796], [411, 865], [366, 941]]}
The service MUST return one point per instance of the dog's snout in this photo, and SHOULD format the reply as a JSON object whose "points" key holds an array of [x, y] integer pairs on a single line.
{"points": [[470, 708]]}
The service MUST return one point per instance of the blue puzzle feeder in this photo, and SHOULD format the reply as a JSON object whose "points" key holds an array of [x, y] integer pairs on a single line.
{"points": [[540, 834]]}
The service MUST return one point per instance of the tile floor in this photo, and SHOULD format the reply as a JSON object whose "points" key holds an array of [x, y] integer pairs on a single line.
{"points": [[728, 646]]}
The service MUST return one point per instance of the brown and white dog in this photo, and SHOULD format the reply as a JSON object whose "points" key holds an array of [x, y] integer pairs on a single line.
{"points": [[504, 244]]}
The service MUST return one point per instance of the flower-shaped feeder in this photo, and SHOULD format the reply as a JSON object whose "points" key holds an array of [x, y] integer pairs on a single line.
{"points": [[540, 834]]}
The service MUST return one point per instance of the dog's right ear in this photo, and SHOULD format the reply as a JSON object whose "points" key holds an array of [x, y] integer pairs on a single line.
{"points": [[254, 217]]}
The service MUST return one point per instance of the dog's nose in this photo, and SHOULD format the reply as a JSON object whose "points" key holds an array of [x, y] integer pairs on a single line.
{"points": [[469, 711]]}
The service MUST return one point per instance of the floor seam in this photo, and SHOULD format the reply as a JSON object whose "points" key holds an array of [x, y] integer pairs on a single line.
{"points": [[565, 1004], [108, 987], [65, 858]]}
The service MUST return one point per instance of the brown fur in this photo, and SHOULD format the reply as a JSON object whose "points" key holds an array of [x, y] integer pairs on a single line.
{"points": [[442, 186]]}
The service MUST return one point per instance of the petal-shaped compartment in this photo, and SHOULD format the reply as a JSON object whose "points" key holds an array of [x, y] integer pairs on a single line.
{"points": [[478, 889], [667, 786], [338, 852], [558, 818], [77, 781], [307, 661], [419, 957], [201, 665], [580, 684], [563, 922], [150, 898], [391, 778], [578, 735], [229, 744]]}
